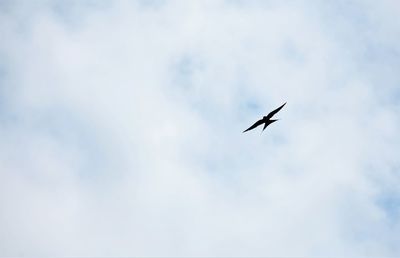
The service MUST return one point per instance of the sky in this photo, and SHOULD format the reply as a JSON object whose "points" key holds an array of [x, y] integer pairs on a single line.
{"points": [[121, 128]]}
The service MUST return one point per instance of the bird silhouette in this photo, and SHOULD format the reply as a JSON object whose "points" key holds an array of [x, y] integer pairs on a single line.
{"points": [[266, 120]]}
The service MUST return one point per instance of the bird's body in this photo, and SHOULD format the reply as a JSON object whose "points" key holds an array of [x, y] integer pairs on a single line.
{"points": [[266, 120]]}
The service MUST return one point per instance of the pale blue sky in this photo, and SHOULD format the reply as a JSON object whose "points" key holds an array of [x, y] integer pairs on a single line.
{"points": [[122, 122]]}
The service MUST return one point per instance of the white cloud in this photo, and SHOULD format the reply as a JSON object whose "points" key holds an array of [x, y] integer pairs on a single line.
{"points": [[121, 128]]}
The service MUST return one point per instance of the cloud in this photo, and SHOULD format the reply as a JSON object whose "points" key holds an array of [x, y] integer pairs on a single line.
{"points": [[121, 128]]}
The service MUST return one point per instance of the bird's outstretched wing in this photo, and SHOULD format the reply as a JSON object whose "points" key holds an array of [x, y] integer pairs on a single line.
{"points": [[272, 113], [259, 122]]}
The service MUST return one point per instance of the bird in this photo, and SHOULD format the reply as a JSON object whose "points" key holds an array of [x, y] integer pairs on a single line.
{"points": [[266, 120]]}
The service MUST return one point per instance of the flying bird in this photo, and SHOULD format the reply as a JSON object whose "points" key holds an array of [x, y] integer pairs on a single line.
{"points": [[266, 120]]}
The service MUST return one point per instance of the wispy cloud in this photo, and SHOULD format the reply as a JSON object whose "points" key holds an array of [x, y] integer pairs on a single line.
{"points": [[121, 125]]}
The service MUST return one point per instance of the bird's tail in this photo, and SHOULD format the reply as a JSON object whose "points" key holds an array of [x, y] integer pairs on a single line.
{"points": [[266, 124]]}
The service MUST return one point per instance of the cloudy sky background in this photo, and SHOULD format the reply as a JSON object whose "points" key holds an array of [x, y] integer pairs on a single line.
{"points": [[121, 121]]}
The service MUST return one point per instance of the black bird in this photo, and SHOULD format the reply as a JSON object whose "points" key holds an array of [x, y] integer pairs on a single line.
{"points": [[266, 120]]}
